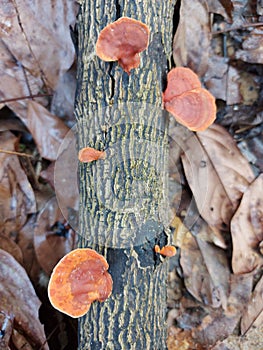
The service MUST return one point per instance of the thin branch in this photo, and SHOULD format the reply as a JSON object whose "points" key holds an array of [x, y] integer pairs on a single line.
{"points": [[16, 153], [24, 98], [246, 25]]}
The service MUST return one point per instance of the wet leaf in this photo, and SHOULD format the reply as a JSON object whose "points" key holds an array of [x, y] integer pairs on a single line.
{"points": [[17, 198], [17, 297], [47, 130], [247, 229], [253, 314], [218, 176], [52, 237], [192, 37]]}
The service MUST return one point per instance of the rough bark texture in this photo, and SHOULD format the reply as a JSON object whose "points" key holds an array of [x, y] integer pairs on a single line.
{"points": [[123, 203]]}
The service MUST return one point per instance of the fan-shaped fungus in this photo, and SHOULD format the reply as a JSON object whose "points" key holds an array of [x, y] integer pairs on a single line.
{"points": [[190, 104], [78, 279], [122, 41], [88, 154], [168, 250]]}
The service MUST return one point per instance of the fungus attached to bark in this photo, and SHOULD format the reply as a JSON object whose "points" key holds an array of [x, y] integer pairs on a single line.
{"points": [[122, 41], [168, 250], [88, 154], [78, 279], [190, 104]]}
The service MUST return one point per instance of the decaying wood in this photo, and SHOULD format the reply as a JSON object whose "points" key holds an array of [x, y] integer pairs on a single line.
{"points": [[123, 211]]}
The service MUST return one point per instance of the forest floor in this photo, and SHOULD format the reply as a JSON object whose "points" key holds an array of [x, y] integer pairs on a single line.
{"points": [[215, 287]]}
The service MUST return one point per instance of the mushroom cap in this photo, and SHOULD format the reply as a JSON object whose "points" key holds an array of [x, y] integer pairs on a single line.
{"points": [[195, 109], [121, 41], [88, 154], [168, 251], [78, 279], [190, 104], [180, 80]]}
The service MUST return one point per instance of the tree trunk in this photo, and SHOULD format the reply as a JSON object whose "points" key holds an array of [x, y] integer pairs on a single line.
{"points": [[123, 198]]}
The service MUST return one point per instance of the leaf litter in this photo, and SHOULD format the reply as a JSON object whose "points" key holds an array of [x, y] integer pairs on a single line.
{"points": [[207, 292]]}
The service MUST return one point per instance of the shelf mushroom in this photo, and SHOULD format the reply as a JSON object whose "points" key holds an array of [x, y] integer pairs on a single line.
{"points": [[78, 279], [190, 104], [122, 41], [88, 154]]}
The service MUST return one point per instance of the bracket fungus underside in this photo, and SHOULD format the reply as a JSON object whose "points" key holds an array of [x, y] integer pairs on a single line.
{"points": [[78, 279], [122, 41], [190, 104]]}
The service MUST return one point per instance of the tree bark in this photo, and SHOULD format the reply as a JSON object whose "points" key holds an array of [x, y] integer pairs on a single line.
{"points": [[123, 198]]}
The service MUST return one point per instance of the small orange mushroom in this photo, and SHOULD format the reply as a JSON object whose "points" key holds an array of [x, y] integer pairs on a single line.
{"points": [[122, 41], [190, 104], [88, 154], [78, 279], [168, 250]]}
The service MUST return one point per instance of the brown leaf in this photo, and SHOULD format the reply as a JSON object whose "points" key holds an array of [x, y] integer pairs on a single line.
{"points": [[17, 297], [206, 272], [252, 47], [217, 176], [47, 130], [247, 229], [8, 245], [253, 314], [192, 38], [32, 35], [17, 198], [221, 7], [52, 238], [25, 241]]}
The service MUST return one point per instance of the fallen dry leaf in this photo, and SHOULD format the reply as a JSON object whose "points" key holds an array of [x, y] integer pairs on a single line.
{"points": [[17, 198], [253, 314], [25, 240], [192, 38], [47, 130], [52, 237], [18, 298], [37, 36], [247, 229], [11, 247], [218, 176], [206, 272], [252, 47], [223, 8]]}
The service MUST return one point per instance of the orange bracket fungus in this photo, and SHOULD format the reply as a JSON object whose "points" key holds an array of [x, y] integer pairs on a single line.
{"points": [[88, 154], [190, 104], [122, 41], [168, 250], [78, 279]]}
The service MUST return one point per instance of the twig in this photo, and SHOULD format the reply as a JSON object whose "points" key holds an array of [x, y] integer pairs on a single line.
{"points": [[247, 25], [16, 153], [24, 98]]}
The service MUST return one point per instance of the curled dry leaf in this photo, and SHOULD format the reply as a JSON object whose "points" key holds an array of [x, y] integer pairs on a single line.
{"points": [[18, 300], [53, 238], [47, 130], [247, 229], [191, 105], [217, 176], [17, 198], [253, 314], [122, 41], [79, 278], [192, 38], [252, 47]]}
